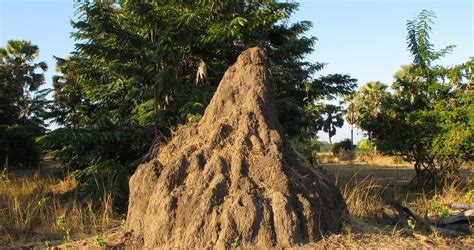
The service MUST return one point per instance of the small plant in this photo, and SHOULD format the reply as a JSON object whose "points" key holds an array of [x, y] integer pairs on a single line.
{"points": [[47, 244], [437, 207], [4, 175], [42, 201], [365, 150], [61, 223], [236, 242], [411, 224], [99, 241], [122, 223], [468, 196]]}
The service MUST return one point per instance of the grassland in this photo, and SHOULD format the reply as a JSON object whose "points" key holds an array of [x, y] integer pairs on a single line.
{"points": [[42, 208], [369, 185]]}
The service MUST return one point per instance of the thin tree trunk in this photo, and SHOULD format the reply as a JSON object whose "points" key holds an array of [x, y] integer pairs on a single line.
{"points": [[352, 136]]}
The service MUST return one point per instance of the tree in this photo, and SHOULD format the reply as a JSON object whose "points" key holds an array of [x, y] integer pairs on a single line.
{"points": [[69, 104], [147, 67], [368, 104], [350, 112], [428, 118], [22, 105], [331, 120]]}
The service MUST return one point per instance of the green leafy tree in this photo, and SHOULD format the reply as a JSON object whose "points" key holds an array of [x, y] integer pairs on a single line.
{"points": [[146, 67], [23, 107], [428, 117], [368, 104], [70, 109]]}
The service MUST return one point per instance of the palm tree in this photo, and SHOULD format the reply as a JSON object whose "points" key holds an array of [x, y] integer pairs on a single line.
{"points": [[331, 119], [368, 100], [19, 78], [22, 105], [350, 112]]}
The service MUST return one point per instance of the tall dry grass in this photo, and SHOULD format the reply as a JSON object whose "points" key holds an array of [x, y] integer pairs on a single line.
{"points": [[362, 197], [353, 158], [365, 198], [44, 210]]}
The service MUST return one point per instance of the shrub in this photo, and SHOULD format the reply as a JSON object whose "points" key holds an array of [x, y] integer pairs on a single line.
{"points": [[345, 145], [18, 147], [324, 146], [365, 149]]}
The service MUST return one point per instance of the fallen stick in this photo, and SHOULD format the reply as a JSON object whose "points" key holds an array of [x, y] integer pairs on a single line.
{"points": [[463, 217], [449, 226], [457, 205]]}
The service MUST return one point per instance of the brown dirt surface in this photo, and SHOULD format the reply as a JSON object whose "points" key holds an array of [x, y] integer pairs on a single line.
{"points": [[233, 179]]}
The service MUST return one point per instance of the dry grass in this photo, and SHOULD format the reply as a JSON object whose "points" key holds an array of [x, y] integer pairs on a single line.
{"points": [[38, 211], [366, 188], [363, 197], [347, 157], [46, 211]]}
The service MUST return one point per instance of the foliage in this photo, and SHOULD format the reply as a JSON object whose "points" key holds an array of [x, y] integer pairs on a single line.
{"points": [[23, 107], [307, 149], [344, 145], [350, 113], [99, 155], [136, 68], [99, 241], [332, 118], [437, 208], [60, 223], [365, 148], [368, 104], [42, 205], [18, 147], [428, 117], [324, 146]]}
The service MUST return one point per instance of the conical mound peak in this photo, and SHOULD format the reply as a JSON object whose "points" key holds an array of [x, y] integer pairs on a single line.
{"points": [[244, 88]]}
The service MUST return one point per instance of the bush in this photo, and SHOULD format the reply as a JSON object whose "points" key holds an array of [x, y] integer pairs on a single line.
{"points": [[18, 147], [324, 146], [344, 145], [365, 149]]}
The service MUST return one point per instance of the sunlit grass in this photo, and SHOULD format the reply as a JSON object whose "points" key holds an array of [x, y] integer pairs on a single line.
{"points": [[30, 211]]}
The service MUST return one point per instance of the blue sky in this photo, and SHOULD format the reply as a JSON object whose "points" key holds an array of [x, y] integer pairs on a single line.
{"points": [[363, 38]]}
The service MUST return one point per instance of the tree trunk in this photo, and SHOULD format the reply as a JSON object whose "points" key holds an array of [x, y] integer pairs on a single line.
{"points": [[352, 136]]}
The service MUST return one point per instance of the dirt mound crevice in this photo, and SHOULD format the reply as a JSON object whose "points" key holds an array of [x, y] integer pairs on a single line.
{"points": [[232, 178]]}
